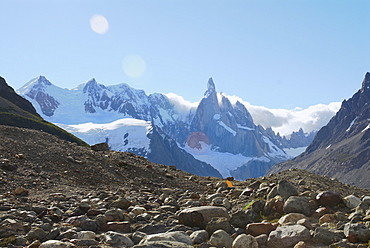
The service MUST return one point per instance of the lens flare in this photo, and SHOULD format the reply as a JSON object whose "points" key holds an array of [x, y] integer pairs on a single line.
{"points": [[197, 142], [134, 65], [99, 24]]}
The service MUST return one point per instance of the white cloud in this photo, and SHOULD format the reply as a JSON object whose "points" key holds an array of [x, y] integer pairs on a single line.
{"points": [[182, 106], [285, 121]]}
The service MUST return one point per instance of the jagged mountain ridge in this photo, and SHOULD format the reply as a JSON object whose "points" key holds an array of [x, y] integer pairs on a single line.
{"points": [[17, 111], [341, 149], [229, 127]]}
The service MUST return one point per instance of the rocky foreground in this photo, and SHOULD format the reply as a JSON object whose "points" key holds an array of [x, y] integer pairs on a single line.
{"points": [[57, 194]]}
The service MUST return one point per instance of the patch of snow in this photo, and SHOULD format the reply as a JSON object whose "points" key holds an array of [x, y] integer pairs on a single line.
{"points": [[229, 129], [366, 128], [294, 152], [217, 117], [275, 151], [121, 135], [351, 124], [224, 162], [328, 147], [245, 128]]}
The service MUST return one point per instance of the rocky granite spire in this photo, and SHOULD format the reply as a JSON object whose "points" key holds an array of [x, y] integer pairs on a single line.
{"points": [[211, 86]]}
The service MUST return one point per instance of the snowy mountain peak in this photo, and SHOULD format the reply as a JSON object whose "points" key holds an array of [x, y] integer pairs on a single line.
{"points": [[37, 90], [36, 84], [92, 86]]}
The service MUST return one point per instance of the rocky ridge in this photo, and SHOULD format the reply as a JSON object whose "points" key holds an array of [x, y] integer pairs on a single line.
{"points": [[57, 194], [341, 149]]}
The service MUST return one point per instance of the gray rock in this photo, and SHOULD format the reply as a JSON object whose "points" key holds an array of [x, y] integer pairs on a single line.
{"points": [[288, 236], [178, 236], [357, 230], [199, 237], [221, 202], [242, 218], [117, 239], [262, 240], [286, 189], [67, 234], [137, 237], [351, 201], [244, 240], [36, 233], [291, 218], [56, 244], [10, 227], [115, 214], [86, 235], [121, 203], [200, 216], [325, 236], [163, 244], [297, 204], [306, 223], [366, 200], [86, 242], [220, 239], [21, 241], [100, 147], [218, 223]]}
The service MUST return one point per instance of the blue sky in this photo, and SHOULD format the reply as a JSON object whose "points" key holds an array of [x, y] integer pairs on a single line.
{"points": [[276, 53]]}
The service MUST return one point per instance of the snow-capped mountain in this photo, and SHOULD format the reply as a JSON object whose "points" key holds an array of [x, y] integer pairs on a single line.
{"points": [[216, 128]]}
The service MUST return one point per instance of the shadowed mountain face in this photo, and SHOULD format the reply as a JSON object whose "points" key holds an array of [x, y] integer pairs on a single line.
{"points": [[11, 102], [341, 149], [17, 111]]}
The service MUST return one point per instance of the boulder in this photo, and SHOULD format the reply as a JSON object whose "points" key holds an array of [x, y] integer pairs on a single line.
{"points": [[117, 239], [100, 147], [56, 244], [200, 216], [291, 218], [288, 236], [86, 235], [178, 236], [199, 237], [218, 223], [328, 198], [351, 201], [220, 238], [327, 218], [241, 218], [297, 204], [366, 200], [123, 227], [121, 203], [163, 244], [243, 241], [9, 227], [325, 236], [36, 233], [356, 232], [286, 189], [256, 229]]}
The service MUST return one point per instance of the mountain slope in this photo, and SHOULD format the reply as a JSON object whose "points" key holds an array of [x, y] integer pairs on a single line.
{"points": [[17, 111], [341, 149]]}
